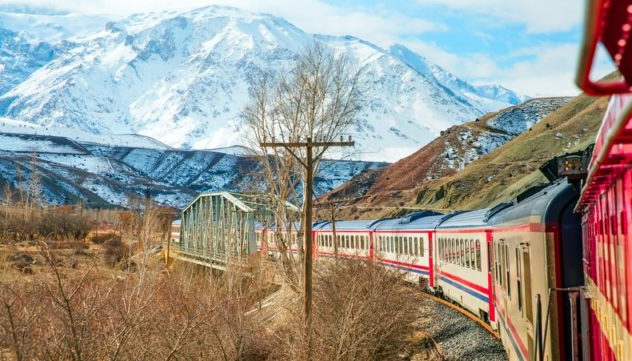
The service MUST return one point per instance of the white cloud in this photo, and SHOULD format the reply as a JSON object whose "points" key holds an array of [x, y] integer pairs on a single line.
{"points": [[380, 25], [539, 16], [543, 70]]}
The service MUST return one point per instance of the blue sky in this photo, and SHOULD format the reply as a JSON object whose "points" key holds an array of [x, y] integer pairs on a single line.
{"points": [[528, 46]]}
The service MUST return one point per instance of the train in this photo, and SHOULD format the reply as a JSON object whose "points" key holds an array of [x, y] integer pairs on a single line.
{"points": [[501, 263]]}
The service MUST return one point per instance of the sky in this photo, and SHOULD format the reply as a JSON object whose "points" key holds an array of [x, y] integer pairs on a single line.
{"points": [[530, 46]]}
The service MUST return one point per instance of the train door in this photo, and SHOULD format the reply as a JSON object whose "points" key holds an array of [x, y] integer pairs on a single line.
{"points": [[572, 278], [525, 304]]}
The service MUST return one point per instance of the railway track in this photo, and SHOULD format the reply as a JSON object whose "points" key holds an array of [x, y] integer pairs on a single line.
{"points": [[451, 333], [463, 312]]}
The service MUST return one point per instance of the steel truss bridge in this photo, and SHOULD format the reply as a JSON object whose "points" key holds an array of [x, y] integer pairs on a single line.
{"points": [[219, 228]]}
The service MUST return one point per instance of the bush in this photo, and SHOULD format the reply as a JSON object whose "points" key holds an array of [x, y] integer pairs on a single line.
{"points": [[115, 251], [360, 312]]}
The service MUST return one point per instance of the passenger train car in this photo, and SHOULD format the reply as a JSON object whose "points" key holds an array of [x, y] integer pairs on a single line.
{"points": [[536, 274], [606, 200], [462, 268]]}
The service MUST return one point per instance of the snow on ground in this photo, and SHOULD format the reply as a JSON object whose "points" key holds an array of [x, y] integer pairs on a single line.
{"points": [[13, 126], [36, 144], [238, 150], [89, 163]]}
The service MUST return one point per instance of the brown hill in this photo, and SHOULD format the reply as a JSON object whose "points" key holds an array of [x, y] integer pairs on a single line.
{"points": [[423, 181]]}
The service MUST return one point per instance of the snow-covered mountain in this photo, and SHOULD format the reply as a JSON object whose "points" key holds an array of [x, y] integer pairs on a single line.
{"points": [[182, 77]]}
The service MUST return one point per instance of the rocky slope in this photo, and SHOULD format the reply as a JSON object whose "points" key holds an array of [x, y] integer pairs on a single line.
{"points": [[447, 155]]}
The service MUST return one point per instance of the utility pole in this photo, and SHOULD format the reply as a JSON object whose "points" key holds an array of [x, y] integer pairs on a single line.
{"points": [[308, 165]]}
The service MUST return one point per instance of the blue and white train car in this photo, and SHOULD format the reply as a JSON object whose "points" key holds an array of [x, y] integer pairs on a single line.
{"points": [[462, 271]]}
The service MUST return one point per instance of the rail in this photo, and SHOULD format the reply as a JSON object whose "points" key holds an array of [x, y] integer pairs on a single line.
{"points": [[484, 324]]}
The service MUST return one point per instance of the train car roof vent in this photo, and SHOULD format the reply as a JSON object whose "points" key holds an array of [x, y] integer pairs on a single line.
{"points": [[375, 222], [450, 215], [529, 192], [497, 208], [414, 216]]}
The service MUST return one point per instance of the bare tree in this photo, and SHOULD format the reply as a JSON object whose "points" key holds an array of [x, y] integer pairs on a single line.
{"points": [[315, 102]]}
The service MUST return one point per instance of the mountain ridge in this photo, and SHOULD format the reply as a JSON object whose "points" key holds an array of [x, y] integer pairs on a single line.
{"points": [[182, 78]]}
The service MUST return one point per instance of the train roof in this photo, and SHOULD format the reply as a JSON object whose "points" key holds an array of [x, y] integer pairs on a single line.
{"points": [[429, 221], [548, 203], [477, 218], [176, 222], [357, 225]]}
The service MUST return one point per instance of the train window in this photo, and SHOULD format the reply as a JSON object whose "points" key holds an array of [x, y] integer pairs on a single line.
{"points": [[473, 253], [497, 262], [461, 258], [518, 281], [406, 245], [466, 253], [448, 250], [478, 255], [416, 246], [457, 252], [508, 279], [467, 250], [421, 246]]}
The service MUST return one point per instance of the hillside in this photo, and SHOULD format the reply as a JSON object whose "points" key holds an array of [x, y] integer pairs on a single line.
{"points": [[102, 175], [182, 78], [498, 176]]}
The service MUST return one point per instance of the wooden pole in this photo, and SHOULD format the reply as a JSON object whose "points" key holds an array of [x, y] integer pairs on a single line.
{"points": [[307, 246], [308, 164]]}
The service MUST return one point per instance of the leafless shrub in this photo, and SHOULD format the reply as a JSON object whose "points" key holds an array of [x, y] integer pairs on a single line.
{"points": [[361, 312], [115, 252], [162, 316]]}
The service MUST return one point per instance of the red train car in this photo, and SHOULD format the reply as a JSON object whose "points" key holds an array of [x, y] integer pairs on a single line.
{"points": [[606, 200]]}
